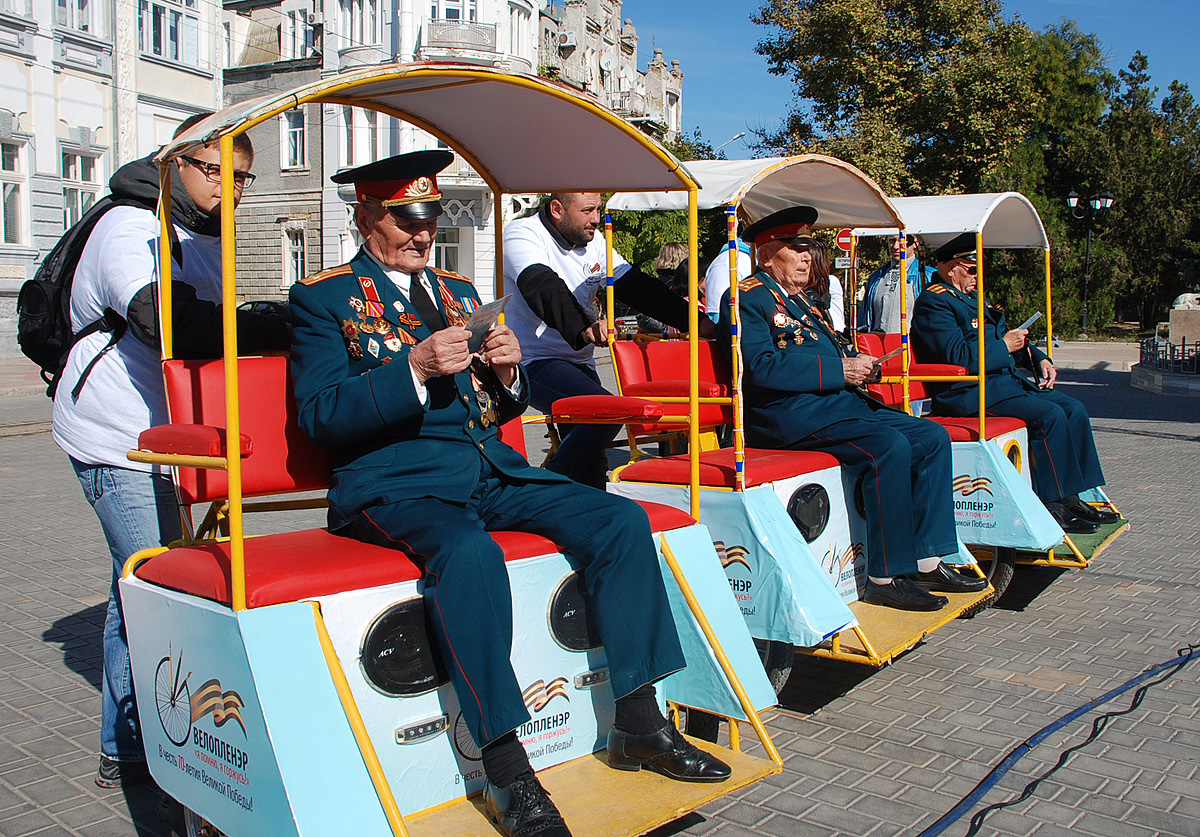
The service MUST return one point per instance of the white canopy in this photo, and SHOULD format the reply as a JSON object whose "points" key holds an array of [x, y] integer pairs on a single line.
{"points": [[842, 195], [1006, 219], [521, 133]]}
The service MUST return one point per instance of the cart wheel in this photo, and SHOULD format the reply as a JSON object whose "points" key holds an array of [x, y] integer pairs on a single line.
{"points": [[777, 658], [195, 825], [1000, 563], [703, 725]]}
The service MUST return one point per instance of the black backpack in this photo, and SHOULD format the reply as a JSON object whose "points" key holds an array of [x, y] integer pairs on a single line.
{"points": [[44, 303]]}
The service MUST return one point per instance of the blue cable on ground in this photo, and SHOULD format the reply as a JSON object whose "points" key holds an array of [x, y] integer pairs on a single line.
{"points": [[998, 772]]}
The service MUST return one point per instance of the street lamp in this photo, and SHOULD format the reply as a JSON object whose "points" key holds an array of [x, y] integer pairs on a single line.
{"points": [[1087, 212], [734, 138]]}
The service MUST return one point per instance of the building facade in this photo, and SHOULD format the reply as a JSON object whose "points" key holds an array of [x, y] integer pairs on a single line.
{"points": [[294, 221]]}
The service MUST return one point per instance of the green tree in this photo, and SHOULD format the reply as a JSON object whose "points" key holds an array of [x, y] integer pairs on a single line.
{"points": [[926, 96]]}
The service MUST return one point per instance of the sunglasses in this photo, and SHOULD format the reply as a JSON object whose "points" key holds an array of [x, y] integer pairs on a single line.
{"points": [[212, 172]]}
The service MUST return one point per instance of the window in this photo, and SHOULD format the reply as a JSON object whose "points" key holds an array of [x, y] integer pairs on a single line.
{"points": [[169, 29], [294, 139], [294, 262], [11, 180], [372, 119], [81, 185], [359, 22], [75, 14], [445, 249], [347, 144], [452, 10], [24, 8], [519, 40], [295, 36]]}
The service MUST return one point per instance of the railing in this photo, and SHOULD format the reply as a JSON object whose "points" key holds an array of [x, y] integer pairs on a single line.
{"points": [[1165, 356], [459, 34]]}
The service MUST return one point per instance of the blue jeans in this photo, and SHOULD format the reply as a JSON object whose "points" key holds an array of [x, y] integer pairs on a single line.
{"points": [[582, 452], [137, 510]]}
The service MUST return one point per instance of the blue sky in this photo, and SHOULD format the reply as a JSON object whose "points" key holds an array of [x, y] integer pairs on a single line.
{"points": [[727, 88]]}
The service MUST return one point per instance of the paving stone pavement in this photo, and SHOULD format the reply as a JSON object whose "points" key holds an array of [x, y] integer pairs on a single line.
{"points": [[868, 752]]}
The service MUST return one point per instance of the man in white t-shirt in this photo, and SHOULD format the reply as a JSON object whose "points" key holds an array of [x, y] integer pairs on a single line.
{"points": [[97, 423], [555, 265], [716, 278]]}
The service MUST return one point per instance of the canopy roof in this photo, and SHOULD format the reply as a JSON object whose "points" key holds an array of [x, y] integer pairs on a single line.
{"points": [[520, 132], [842, 195], [1006, 219]]}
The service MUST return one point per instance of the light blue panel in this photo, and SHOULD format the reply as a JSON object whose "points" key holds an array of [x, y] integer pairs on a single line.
{"points": [[703, 684], [203, 724], [782, 591], [961, 558], [327, 782], [1093, 495], [993, 505]]}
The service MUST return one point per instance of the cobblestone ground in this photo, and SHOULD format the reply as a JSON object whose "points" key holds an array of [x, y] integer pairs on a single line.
{"points": [[868, 752]]}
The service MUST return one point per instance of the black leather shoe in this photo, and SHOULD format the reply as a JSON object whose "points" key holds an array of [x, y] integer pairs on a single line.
{"points": [[666, 752], [903, 594], [946, 580], [1088, 512], [1070, 522], [524, 809]]}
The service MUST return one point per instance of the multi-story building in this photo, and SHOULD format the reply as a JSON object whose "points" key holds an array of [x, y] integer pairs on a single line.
{"points": [[293, 220], [85, 87]]}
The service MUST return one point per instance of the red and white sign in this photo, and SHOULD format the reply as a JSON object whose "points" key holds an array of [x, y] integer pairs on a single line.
{"points": [[843, 239]]}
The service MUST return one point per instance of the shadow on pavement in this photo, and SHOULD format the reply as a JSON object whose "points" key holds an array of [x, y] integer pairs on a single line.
{"points": [[1027, 584], [1107, 394], [816, 682], [79, 635]]}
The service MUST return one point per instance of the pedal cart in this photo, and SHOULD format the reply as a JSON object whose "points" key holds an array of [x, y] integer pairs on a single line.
{"points": [[995, 508], [286, 682], [789, 528]]}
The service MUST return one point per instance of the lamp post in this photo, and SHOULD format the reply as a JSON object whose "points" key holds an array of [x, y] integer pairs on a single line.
{"points": [[1087, 213], [734, 138]]}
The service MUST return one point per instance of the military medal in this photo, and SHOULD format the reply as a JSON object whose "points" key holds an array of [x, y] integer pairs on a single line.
{"points": [[350, 329], [487, 408], [392, 342], [357, 304], [779, 320], [399, 306], [373, 347], [355, 351]]}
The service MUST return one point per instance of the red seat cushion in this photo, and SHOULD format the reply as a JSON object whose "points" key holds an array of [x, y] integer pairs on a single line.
{"points": [[189, 440], [967, 429], [717, 467], [315, 562], [604, 409]]}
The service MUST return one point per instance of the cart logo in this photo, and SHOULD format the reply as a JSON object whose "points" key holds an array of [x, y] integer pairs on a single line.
{"points": [[224, 706], [178, 709], [966, 486], [837, 564], [730, 555], [539, 693]]}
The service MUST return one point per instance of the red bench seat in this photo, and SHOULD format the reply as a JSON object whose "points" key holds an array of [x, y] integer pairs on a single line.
{"points": [[966, 429], [315, 562], [717, 467]]}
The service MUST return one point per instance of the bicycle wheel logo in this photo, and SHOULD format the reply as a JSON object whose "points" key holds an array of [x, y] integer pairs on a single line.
{"points": [[173, 698]]}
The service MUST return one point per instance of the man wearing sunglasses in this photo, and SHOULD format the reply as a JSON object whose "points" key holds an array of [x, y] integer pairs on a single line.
{"points": [[944, 330], [98, 423]]}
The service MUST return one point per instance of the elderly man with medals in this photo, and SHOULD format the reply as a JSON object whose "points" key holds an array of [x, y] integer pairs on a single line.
{"points": [[385, 379], [945, 328], [803, 392]]}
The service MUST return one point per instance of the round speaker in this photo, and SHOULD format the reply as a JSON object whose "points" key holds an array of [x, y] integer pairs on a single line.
{"points": [[809, 509], [571, 624], [397, 654]]}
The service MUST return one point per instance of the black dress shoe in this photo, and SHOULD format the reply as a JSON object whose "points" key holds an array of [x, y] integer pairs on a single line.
{"points": [[1088, 512], [902, 594], [946, 580], [1070, 522], [524, 809], [666, 752]]}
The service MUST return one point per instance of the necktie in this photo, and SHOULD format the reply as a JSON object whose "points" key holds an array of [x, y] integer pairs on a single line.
{"points": [[426, 309]]}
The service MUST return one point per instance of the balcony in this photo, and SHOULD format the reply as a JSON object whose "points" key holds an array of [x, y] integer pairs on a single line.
{"points": [[459, 40]]}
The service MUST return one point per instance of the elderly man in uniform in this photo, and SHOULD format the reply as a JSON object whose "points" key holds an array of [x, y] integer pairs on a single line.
{"points": [[945, 329], [385, 379], [803, 392]]}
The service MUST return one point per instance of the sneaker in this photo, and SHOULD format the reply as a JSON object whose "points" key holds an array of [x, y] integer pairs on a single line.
{"points": [[120, 774]]}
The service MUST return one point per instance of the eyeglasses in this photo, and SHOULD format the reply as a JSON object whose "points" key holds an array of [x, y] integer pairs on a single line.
{"points": [[212, 172]]}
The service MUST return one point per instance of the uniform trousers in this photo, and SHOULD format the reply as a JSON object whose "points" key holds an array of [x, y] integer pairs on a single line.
{"points": [[1065, 461], [582, 450], [904, 467], [467, 595]]}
